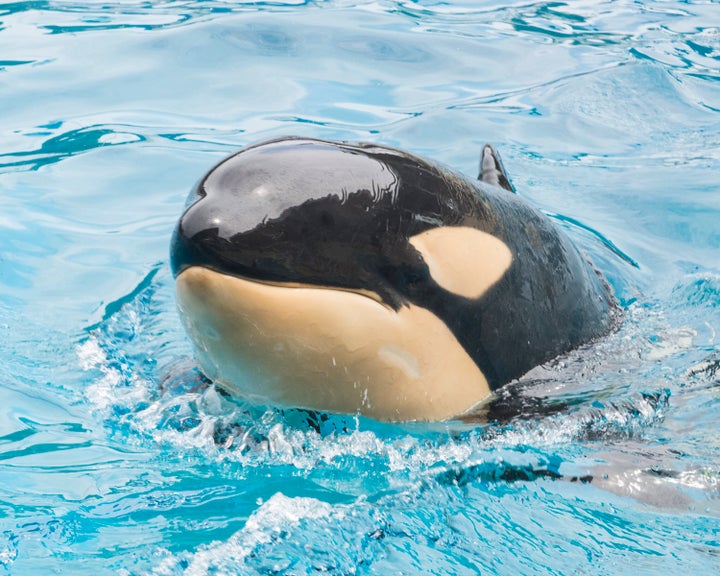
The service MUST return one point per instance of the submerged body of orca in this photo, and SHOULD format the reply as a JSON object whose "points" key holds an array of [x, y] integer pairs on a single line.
{"points": [[359, 278]]}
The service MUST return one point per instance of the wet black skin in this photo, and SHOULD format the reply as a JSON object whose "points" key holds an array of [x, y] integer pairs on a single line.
{"points": [[340, 215]]}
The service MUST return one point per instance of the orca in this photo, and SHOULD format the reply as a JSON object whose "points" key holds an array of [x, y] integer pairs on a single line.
{"points": [[359, 278]]}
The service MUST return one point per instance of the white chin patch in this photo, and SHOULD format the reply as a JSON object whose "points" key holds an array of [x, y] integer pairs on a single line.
{"points": [[328, 349], [463, 260]]}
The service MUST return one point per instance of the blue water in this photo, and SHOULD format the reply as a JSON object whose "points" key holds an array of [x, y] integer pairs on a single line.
{"points": [[114, 458]]}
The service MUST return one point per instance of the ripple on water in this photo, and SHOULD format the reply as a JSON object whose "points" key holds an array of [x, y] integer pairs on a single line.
{"points": [[116, 454]]}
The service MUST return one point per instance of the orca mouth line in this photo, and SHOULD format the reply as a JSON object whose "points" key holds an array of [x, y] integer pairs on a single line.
{"points": [[374, 296]]}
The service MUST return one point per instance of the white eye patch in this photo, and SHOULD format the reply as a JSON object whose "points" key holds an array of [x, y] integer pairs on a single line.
{"points": [[463, 260]]}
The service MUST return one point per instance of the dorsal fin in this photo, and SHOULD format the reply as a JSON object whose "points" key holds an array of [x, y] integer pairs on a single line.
{"points": [[492, 170]]}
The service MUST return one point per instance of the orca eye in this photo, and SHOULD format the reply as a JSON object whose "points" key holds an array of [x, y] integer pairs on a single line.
{"points": [[413, 277], [410, 278]]}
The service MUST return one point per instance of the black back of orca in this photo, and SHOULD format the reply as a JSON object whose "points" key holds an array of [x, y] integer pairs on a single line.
{"points": [[342, 216]]}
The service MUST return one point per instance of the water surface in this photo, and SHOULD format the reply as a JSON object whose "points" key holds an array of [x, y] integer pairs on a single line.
{"points": [[114, 458]]}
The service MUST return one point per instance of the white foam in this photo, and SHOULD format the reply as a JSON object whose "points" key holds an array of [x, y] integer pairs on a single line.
{"points": [[111, 388], [277, 518]]}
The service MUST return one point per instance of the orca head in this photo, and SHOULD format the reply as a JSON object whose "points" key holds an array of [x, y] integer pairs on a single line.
{"points": [[309, 274]]}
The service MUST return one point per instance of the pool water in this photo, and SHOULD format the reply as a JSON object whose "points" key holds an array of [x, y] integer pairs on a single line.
{"points": [[115, 455]]}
